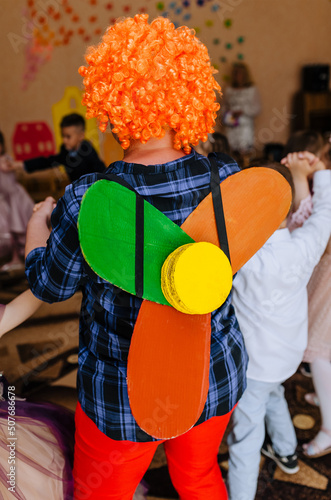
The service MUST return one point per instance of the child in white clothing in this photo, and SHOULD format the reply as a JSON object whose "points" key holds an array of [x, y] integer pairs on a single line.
{"points": [[270, 299]]}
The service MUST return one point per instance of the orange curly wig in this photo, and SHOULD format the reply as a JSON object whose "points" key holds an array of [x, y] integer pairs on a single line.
{"points": [[147, 78]]}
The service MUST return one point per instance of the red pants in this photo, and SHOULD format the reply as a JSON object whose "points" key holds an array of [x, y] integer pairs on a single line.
{"points": [[108, 469]]}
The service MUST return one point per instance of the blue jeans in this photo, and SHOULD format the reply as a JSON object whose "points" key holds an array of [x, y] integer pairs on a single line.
{"points": [[263, 403]]}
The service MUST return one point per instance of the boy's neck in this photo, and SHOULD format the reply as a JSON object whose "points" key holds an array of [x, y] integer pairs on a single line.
{"points": [[155, 151], [78, 146]]}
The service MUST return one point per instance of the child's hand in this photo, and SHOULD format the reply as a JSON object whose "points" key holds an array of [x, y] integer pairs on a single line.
{"points": [[7, 165], [301, 164], [44, 209], [39, 225], [314, 162]]}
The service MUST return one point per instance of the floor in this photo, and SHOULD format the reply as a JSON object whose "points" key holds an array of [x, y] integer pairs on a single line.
{"points": [[40, 358]]}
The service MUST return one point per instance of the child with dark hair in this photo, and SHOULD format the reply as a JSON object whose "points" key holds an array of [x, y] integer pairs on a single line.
{"points": [[304, 140], [270, 300], [326, 151], [312, 141], [74, 119], [77, 155], [15, 211]]}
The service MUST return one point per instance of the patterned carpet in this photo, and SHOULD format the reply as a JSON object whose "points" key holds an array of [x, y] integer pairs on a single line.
{"points": [[40, 357], [311, 482], [44, 348]]}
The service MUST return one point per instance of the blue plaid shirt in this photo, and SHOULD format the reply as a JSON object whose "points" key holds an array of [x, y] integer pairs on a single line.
{"points": [[108, 314]]}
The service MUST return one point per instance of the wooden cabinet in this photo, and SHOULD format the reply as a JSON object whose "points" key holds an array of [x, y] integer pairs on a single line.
{"points": [[312, 110]]}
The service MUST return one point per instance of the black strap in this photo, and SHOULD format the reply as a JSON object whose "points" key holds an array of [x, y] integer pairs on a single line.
{"points": [[218, 207], [139, 255], [139, 258]]}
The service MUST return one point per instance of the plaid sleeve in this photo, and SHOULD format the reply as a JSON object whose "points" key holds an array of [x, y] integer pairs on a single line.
{"points": [[54, 272], [227, 166]]}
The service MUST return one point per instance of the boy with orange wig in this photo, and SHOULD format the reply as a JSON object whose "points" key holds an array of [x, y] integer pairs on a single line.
{"points": [[154, 84]]}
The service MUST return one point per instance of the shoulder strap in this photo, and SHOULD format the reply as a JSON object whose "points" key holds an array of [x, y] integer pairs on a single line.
{"points": [[139, 257], [218, 207]]}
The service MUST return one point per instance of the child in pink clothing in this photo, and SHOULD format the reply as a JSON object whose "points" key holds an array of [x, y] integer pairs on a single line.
{"points": [[318, 352], [310, 141], [16, 210], [297, 218], [42, 429]]}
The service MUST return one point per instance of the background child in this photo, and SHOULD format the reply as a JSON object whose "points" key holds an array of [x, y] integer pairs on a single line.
{"points": [[302, 140], [15, 211], [310, 140], [76, 154], [270, 299], [240, 105], [318, 351]]}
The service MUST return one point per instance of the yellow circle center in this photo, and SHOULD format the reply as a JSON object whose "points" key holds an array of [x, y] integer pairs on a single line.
{"points": [[196, 278]]}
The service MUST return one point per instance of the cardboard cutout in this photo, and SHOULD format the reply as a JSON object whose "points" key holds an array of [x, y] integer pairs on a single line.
{"points": [[168, 365], [32, 139]]}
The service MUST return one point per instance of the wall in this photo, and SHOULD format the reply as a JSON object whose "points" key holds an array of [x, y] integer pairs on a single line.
{"points": [[277, 38]]}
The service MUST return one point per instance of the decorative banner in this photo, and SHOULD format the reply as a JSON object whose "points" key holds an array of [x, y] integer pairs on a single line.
{"points": [[71, 102], [55, 23], [32, 139], [36, 55]]}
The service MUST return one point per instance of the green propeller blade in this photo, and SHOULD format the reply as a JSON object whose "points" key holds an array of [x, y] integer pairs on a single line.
{"points": [[107, 235]]}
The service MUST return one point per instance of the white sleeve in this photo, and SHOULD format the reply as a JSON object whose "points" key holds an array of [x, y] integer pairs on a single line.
{"points": [[252, 106], [314, 235]]}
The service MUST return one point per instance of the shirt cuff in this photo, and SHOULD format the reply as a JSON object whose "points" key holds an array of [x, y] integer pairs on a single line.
{"points": [[34, 255]]}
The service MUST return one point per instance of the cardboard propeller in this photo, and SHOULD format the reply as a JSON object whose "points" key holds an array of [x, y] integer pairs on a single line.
{"points": [[107, 226], [168, 365]]}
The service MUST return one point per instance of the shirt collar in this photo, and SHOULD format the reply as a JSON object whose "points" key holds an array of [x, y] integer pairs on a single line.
{"points": [[136, 168]]}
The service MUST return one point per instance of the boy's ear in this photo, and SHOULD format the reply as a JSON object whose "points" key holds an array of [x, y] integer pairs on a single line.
{"points": [[81, 133]]}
